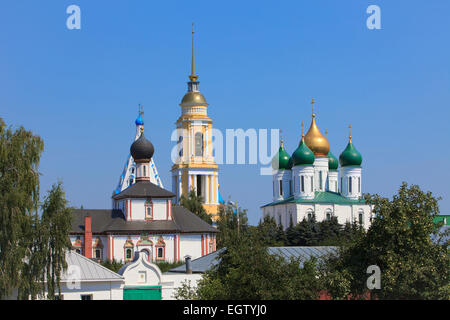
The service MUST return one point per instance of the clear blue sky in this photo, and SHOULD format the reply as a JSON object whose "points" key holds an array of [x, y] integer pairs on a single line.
{"points": [[259, 62]]}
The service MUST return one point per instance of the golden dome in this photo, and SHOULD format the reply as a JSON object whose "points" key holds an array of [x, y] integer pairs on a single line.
{"points": [[315, 140], [194, 98]]}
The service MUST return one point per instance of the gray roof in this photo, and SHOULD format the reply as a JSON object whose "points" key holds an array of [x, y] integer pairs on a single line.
{"points": [[89, 270], [200, 265], [104, 221], [144, 189]]}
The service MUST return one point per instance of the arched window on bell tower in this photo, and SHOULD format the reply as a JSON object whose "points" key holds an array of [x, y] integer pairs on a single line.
{"points": [[199, 144]]}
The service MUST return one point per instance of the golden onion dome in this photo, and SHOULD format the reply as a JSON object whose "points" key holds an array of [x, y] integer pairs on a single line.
{"points": [[315, 140], [194, 98]]}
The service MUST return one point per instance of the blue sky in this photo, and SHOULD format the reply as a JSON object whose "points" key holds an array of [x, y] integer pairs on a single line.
{"points": [[259, 62]]}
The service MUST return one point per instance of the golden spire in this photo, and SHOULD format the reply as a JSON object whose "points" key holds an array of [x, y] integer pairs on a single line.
{"points": [[350, 133], [193, 77], [281, 137], [317, 142]]}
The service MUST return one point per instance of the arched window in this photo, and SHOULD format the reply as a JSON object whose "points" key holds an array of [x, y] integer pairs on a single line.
{"points": [[180, 146], [302, 183], [320, 180], [149, 210], [361, 217], [98, 249], [160, 249], [199, 144], [328, 215], [310, 214], [349, 184], [128, 250], [281, 187], [77, 246]]}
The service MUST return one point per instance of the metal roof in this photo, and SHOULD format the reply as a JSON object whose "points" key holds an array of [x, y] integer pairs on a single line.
{"points": [[319, 197], [144, 189], [200, 265], [89, 270], [104, 221]]}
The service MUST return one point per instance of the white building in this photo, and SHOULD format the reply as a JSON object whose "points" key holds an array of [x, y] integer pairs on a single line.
{"points": [[308, 184], [143, 218]]}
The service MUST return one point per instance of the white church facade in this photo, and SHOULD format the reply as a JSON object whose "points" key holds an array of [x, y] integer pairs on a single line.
{"points": [[143, 218], [310, 183]]}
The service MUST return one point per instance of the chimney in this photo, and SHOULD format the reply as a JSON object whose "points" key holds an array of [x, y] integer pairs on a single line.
{"points": [[188, 265], [87, 237]]}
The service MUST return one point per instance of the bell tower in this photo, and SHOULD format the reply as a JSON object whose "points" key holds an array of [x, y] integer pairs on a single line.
{"points": [[195, 168]]}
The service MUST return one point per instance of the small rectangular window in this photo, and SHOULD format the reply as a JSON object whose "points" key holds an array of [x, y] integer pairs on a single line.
{"points": [[349, 184], [281, 187], [86, 297], [359, 184], [312, 184], [302, 183]]}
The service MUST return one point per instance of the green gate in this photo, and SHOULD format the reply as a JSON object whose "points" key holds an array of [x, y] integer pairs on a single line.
{"points": [[142, 293]]}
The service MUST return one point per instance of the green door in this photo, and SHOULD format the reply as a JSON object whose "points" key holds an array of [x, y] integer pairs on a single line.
{"points": [[142, 293]]}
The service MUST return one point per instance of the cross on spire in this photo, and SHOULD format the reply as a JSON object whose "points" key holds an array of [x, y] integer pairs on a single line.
{"points": [[350, 133], [193, 77], [141, 110], [312, 102], [281, 137]]}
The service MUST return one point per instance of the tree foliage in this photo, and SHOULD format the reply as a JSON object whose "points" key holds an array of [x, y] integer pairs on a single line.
{"points": [[399, 242], [31, 247], [194, 203], [55, 226], [247, 271], [232, 223]]}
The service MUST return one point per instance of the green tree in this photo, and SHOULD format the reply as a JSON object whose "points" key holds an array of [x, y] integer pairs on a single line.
{"points": [[228, 224], [32, 248], [399, 242], [194, 203], [55, 225], [20, 153], [269, 233], [247, 271], [113, 265]]}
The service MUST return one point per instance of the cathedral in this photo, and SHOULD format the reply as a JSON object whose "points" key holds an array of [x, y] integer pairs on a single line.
{"points": [[147, 218], [307, 184]]}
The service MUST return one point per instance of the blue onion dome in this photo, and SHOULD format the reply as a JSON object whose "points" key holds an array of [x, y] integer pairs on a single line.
{"points": [[332, 162], [281, 160], [350, 156], [142, 149], [303, 155], [139, 121]]}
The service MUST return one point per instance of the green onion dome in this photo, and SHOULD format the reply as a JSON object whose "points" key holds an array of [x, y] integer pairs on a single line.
{"points": [[350, 156], [281, 160], [303, 155], [332, 162], [290, 163]]}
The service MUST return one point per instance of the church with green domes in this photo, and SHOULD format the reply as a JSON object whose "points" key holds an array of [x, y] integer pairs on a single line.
{"points": [[313, 183]]}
